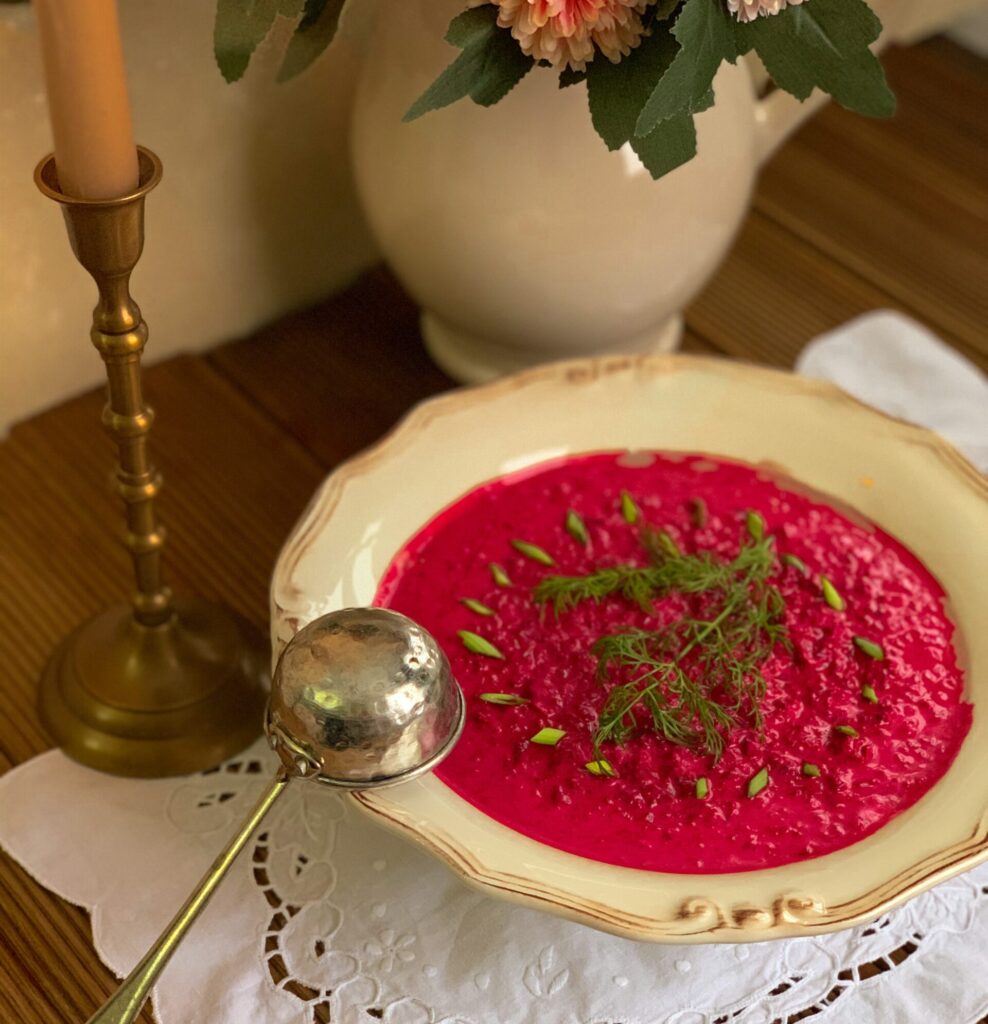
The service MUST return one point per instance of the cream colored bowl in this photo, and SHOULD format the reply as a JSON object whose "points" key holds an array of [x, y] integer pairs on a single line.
{"points": [[909, 481]]}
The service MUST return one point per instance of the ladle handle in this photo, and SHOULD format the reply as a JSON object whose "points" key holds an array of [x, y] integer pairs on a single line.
{"points": [[125, 1004]]}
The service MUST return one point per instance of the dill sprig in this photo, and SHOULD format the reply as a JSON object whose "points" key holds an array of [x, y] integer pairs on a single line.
{"points": [[700, 677], [688, 574], [636, 584]]}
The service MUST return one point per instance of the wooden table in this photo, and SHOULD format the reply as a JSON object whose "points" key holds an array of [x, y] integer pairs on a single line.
{"points": [[850, 216]]}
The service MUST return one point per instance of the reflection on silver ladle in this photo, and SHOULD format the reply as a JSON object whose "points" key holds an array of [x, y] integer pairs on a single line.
{"points": [[361, 698]]}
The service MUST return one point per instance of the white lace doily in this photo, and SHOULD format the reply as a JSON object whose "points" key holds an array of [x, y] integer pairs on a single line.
{"points": [[326, 917]]}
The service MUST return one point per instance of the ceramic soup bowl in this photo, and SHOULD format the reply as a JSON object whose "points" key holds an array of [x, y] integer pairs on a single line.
{"points": [[907, 480]]}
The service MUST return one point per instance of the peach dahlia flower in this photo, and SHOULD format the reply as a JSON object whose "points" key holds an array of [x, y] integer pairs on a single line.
{"points": [[566, 31], [748, 10]]}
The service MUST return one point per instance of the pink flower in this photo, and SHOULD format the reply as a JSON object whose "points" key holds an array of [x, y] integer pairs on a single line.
{"points": [[748, 10], [567, 31]]}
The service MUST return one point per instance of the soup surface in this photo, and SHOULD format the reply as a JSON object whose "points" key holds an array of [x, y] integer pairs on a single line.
{"points": [[677, 663]]}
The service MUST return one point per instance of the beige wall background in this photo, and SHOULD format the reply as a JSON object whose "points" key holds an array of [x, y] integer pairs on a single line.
{"points": [[256, 214]]}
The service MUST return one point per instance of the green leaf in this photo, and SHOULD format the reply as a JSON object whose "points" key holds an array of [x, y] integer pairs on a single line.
{"points": [[490, 66], [705, 32], [617, 92], [476, 644], [568, 76], [240, 28], [507, 699], [665, 9], [823, 44], [316, 30], [533, 552], [758, 783], [548, 737]]}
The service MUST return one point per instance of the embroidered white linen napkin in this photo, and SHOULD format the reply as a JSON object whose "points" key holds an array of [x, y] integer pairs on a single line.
{"points": [[898, 366]]}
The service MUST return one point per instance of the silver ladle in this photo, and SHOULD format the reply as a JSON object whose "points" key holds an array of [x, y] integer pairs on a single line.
{"points": [[361, 698]]}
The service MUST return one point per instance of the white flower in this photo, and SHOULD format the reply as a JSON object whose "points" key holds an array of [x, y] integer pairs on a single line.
{"points": [[748, 10]]}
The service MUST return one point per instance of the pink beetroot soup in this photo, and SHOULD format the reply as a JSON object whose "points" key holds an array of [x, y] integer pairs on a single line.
{"points": [[650, 816]]}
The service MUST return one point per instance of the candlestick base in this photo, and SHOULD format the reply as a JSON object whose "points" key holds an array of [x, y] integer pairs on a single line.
{"points": [[150, 701]]}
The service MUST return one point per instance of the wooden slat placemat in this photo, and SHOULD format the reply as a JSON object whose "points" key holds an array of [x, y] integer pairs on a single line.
{"points": [[849, 216]]}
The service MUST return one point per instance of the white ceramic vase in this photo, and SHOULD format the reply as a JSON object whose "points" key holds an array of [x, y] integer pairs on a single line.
{"points": [[522, 238]]}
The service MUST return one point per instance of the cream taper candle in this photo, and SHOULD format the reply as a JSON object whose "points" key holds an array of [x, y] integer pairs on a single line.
{"points": [[95, 155]]}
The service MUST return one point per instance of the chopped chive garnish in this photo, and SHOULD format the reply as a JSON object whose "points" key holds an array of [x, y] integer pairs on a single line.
{"points": [[629, 509], [796, 562], [812, 770], [665, 541], [548, 737], [478, 645], [698, 512], [507, 699], [533, 552], [499, 575], [755, 524], [831, 595], [702, 788], [758, 783], [846, 730], [601, 767], [576, 528], [870, 648], [477, 606], [869, 694]]}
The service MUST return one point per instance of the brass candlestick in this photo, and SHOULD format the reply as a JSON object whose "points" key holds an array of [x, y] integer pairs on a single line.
{"points": [[163, 686]]}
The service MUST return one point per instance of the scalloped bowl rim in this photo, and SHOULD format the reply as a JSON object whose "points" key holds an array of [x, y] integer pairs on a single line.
{"points": [[817, 434]]}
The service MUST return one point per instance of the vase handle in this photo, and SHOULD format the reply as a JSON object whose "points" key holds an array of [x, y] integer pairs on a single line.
{"points": [[778, 115]]}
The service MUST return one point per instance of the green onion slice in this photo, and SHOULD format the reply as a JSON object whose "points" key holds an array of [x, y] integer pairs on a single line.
{"points": [[499, 575], [533, 552], [477, 606], [476, 644], [831, 595], [576, 528], [870, 648], [758, 783], [629, 509], [796, 562]]}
